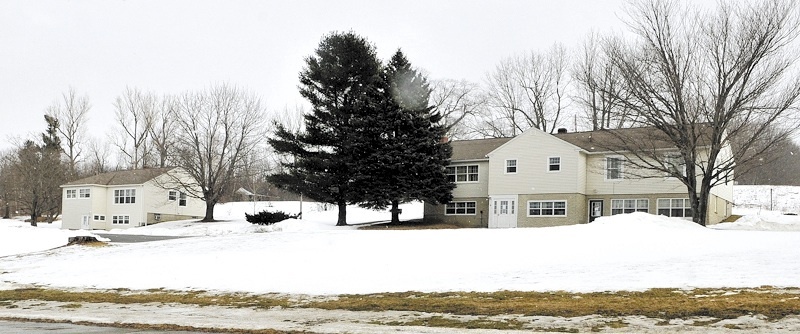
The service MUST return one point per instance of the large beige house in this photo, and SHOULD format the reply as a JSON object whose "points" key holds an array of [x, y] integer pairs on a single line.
{"points": [[539, 179], [125, 199]]}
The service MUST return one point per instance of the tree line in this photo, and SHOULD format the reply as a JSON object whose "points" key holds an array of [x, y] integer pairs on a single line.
{"points": [[728, 70]]}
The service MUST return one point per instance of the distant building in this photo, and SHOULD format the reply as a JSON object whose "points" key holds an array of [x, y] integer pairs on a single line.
{"points": [[125, 199]]}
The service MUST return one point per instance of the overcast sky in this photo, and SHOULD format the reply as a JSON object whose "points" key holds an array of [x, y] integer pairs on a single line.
{"points": [[100, 47]]}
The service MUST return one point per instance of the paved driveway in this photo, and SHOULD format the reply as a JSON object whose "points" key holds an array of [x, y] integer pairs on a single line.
{"points": [[130, 238]]}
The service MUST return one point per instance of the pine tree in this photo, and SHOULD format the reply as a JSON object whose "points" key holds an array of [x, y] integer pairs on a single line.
{"points": [[409, 161], [342, 81]]}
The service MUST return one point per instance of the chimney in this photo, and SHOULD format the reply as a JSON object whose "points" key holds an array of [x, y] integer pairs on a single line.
{"points": [[562, 130]]}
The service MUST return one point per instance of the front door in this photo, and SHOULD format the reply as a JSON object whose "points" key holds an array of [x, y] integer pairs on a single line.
{"points": [[85, 222], [503, 212], [595, 209]]}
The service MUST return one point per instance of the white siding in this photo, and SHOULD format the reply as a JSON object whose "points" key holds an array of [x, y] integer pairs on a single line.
{"points": [[596, 183], [157, 199], [473, 189], [74, 208], [532, 151]]}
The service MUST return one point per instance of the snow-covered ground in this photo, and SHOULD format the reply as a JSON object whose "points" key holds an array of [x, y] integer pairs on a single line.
{"points": [[19, 237], [311, 256]]}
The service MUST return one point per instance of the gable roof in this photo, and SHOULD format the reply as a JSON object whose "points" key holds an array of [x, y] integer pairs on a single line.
{"points": [[134, 176], [475, 149]]}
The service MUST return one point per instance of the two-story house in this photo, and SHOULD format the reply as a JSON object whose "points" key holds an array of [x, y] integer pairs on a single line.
{"points": [[129, 198], [539, 179]]}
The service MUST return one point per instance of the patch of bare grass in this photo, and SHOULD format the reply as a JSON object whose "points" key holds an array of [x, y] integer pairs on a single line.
{"points": [[656, 303], [155, 296]]}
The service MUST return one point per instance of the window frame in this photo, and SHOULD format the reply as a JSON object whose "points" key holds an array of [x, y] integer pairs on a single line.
{"points": [[99, 218], [466, 173], [620, 169], [636, 205], [172, 195], [550, 164], [687, 207], [85, 193], [668, 158], [120, 220], [509, 166], [466, 208], [71, 193], [181, 198], [542, 207], [125, 196]]}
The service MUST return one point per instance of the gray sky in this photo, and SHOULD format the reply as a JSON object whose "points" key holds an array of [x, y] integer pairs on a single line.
{"points": [[100, 47]]}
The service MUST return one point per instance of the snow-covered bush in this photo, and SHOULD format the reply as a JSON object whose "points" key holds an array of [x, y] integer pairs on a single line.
{"points": [[268, 218]]}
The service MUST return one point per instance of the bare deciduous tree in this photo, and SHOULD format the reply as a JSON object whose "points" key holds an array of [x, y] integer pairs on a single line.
{"points": [[701, 78], [527, 91], [594, 75], [217, 130], [162, 130], [71, 111], [456, 100], [134, 112]]}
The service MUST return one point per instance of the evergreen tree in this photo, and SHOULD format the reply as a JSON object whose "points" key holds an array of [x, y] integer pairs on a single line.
{"points": [[342, 81], [409, 161]]}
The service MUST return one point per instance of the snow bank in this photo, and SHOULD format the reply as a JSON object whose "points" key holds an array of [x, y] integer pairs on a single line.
{"points": [[18, 237], [624, 252]]}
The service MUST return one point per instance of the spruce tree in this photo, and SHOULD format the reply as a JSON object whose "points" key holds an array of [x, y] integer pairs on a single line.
{"points": [[409, 161], [342, 81]]}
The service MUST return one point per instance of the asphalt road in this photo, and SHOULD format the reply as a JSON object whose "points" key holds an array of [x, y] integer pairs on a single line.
{"points": [[130, 238]]}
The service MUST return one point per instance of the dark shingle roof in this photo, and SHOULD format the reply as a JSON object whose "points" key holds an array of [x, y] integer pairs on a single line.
{"points": [[136, 176], [475, 149], [626, 139]]}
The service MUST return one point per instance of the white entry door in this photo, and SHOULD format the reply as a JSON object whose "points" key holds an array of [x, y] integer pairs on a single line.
{"points": [[503, 212], [85, 222]]}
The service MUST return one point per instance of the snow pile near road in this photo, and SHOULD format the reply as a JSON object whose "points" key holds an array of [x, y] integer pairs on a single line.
{"points": [[624, 252], [18, 237], [758, 220]]}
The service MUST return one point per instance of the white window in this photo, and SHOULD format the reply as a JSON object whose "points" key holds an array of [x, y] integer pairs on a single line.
{"points": [[182, 201], [173, 195], [157, 217], [629, 205], [675, 207], [511, 166], [614, 168], [99, 217], [460, 208], [72, 193], [553, 164], [84, 193], [547, 208], [466, 173], [121, 220], [675, 164], [124, 196]]}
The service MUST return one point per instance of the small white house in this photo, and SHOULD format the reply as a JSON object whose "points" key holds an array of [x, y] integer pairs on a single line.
{"points": [[129, 198]]}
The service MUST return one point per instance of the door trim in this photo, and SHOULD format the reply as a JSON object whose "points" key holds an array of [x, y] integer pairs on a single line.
{"points": [[493, 223], [602, 204]]}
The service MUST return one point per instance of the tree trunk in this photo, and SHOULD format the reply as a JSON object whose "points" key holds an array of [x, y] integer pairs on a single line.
{"points": [[8, 212], [209, 212], [395, 212], [342, 214], [33, 219]]}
